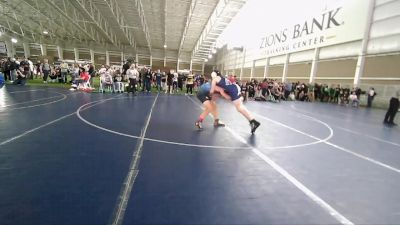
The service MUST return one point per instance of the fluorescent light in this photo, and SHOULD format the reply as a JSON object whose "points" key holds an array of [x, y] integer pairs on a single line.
{"points": [[13, 40], [206, 60], [45, 32], [165, 46], [210, 56]]}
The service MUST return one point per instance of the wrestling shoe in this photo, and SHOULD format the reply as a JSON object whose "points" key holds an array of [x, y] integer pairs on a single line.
{"points": [[198, 125], [218, 123], [254, 124]]}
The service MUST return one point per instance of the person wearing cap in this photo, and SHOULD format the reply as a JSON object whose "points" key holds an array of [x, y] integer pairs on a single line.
{"points": [[234, 92], [393, 108]]}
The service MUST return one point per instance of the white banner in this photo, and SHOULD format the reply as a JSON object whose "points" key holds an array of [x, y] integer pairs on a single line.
{"points": [[343, 23]]}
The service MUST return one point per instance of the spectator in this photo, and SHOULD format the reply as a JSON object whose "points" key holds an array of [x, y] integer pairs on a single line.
{"points": [[126, 67], [170, 77], [75, 72], [46, 70], [243, 90], [64, 72], [158, 77], [337, 93], [117, 80], [21, 76], [92, 73], [264, 88], [353, 98], [25, 68], [133, 75], [232, 78], [311, 91], [147, 80], [175, 82], [164, 81], [38, 72], [14, 65], [30, 68], [106, 80], [393, 108], [55, 74], [371, 95], [180, 81], [7, 69], [189, 83], [358, 92], [82, 79], [332, 93]]}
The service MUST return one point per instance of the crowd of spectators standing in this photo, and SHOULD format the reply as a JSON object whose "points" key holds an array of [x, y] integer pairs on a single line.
{"points": [[132, 78]]}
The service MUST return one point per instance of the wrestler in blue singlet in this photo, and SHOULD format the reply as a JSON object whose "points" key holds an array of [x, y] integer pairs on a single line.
{"points": [[205, 88], [233, 90], [204, 92]]}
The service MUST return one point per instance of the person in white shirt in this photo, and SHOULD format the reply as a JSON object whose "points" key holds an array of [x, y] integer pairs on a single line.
{"points": [[106, 80], [133, 75], [75, 74], [175, 82], [371, 95], [189, 83], [117, 78], [64, 71], [30, 68], [102, 70]]}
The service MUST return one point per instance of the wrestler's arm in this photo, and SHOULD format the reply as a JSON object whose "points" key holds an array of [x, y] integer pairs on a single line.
{"points": [[221, 92], [214, 82]]}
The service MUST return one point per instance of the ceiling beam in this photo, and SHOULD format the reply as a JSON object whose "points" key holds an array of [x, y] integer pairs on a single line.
{"points": [[120, 19], [217, 22], [97, 20], [27, 24], [139, 7], [70, 19], [54, 28], [165, 29], [188, 19]]}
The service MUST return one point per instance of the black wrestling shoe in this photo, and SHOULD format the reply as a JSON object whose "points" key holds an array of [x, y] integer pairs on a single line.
{"points": [[254, 124], [198, 125]]}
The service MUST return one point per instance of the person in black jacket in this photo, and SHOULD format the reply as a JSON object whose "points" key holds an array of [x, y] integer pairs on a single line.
{"points": [[393, 108], [147, 80], [371, 94], [126, 67], [7, 69], [169, 82]]}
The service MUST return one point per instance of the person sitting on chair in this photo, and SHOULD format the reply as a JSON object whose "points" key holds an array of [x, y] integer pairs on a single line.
{"points": [[106, 81], [83, 78], [354, 100]]}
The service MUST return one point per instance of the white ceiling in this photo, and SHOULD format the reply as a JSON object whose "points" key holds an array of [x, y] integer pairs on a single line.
{"points": [[187, 27]]}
